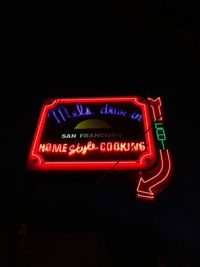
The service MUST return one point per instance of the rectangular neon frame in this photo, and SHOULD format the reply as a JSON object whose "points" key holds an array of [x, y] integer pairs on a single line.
{"points": [[146, 160]]}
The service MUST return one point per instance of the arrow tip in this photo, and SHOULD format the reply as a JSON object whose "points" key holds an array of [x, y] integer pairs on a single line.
{"points": [[143, 188]]}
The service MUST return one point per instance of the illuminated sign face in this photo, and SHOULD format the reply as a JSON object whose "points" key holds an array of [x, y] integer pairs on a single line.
{"points": [[99, 133]]}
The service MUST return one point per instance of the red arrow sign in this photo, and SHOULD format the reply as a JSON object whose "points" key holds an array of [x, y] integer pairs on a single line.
{"points": [[148, 187]]}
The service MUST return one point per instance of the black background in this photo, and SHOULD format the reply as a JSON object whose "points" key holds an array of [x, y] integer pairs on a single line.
{"points": [[101, 49]]}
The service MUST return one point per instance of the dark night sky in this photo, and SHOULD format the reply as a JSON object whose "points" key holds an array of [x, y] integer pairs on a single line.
{"points": [[136, 50]]}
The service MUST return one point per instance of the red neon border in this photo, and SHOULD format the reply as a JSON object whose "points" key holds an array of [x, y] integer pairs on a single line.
{"points": [[152, 185], [36, 161]]}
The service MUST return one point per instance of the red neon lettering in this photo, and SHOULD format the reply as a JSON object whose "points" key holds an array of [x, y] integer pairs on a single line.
{"points": [[90, 146], [109, 146], [48, 147], [125, 146], [79, 149], [103, 147], [132, 146], [82, 149], [57, 148], [64, 148], [142, 146], [42, 148], [116, 146], [72, 150], [136, 147], [45, 147]]}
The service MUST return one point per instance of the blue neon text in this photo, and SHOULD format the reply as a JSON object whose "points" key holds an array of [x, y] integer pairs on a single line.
{"points": [[61, 114]]}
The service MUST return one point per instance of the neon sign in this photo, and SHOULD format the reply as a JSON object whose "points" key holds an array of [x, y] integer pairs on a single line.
{"points": [[61, 113], [90, 146], [99, 133]]}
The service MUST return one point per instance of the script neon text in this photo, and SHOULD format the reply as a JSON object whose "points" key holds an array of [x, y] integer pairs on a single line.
{"points": [[72, 149]]}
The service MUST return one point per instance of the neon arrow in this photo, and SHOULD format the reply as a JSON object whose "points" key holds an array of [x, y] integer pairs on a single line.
{"points": [[147, 188], [155, 105]]}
